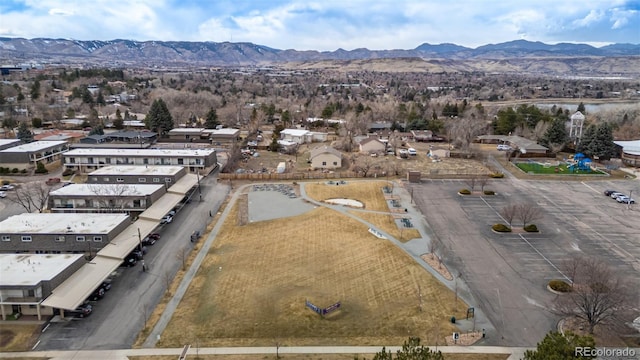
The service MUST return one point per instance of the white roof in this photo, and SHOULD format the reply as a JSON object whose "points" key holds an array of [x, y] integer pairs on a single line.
{"points": [[185, 130], [54, 223], [31, 269], [140, 152], [631, 147], [107, 190], [138, 170], [286, 143], [34, 146], [295, 132], [224, 131], [4, 142]]}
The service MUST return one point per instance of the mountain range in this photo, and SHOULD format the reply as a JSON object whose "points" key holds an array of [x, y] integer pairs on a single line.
{"points": [[119, 52]]}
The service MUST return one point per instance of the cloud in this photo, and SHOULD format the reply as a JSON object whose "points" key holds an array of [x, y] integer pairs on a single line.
{"points": [[592, 17], [621, 17], [60, 12]]}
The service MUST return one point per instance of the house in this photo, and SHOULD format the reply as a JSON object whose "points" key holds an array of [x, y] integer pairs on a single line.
{"points": [[28, 155], [28, 279], [7, 143], [372, 145], [89, 159], [524, 145], [380, 126], [325, 157], [188, 134], [47, 233], [108, 198], [94, 139], [299, 136], [223, 137], [133, 137]]}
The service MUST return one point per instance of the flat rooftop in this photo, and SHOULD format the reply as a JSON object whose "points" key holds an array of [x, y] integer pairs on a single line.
{"points": [[138, 170], [224, 131], [34, 146], [140, 152], [31, 269], [185, 130], [110, 190], [52, 223], [4, 142]]}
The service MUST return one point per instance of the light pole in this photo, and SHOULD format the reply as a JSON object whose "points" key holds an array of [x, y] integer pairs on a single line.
{"points": [[199, 190], [629, 201], [144, 267]]}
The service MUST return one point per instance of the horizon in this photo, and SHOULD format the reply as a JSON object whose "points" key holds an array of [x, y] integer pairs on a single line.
{"points": [[327, 26]]}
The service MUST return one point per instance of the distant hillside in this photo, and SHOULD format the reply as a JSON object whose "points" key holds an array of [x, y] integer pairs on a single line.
{"points": [[145, 53]]}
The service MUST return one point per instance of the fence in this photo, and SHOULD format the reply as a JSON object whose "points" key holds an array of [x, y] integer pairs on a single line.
{"points": [[432, 174]]}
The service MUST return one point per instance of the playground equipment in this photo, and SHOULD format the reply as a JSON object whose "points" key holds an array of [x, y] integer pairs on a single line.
{"points": [[579, 162]]}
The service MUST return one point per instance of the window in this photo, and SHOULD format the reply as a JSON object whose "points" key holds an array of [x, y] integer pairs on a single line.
{"points": [[120, 180], [156, 179], [180, 161], [94, 179], [142, 180], [97, 239], [105, 179], [335, 163], [137, 203], [107, 160], [58, 239], [167, 180], [6, 237], [90, 160], [80, 238], [26, 238], [324, 163]]}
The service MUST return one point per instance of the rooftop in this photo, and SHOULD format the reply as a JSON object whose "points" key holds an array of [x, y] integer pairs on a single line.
{"points": [[138, 170], [224, 131], [34, 146], [324, 150], [631, 147], [52, 223], [141, 152], [295, 132], [4, 142], [112, 190], [186, 130], [31, 269]]}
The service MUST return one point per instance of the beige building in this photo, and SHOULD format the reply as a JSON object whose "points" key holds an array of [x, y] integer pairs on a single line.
{"points": [[372, 145], [325, 157]]}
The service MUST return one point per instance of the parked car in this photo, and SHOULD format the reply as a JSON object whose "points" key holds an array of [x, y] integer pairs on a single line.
{"points": [[615, 194], [504, 147], [412, 152], [97, 294], [167, 219], [7, 187], [172, 213], [81, 311], [148, 241], [154, 236], [625, 199], [106, 285], [138, 254], [609, 192], [129, 261], [3, 194]]}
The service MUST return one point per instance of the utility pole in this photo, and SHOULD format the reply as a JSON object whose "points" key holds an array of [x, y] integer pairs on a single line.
{"points": [[199, 189], [629, 201], [144, 267]]}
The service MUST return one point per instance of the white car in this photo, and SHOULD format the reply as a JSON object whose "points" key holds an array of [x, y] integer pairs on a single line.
{"points": [[166, 219], [504, 147], [625, 199], [3, 194], [412, 152], [615, 194], [7, 187]]}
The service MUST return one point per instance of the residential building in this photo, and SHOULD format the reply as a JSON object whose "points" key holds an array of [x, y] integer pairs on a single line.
{"points": [[325, 157], [107, 198], [299, 136], [7, 143], [28, 279], [371, 145], [629, 152], [28, 155], [137, 174], [188, 135], [87, 160], [224, 137], [46, 233]]}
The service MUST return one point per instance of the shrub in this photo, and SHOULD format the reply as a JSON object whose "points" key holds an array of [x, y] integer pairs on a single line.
{"points": [[2, 170], [23, 171], [501, 228], [464, 192], [67, 172], [531, 228], [489, 192], [15, 170], [559, 286], [497, 175], [40, 169]]}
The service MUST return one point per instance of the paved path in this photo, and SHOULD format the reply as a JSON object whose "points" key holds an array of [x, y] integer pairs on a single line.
{"points": [[516, 352]]}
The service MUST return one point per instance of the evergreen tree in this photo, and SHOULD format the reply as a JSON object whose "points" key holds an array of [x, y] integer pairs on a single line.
{"points": [[603, 147], [586, 139], [100, 98], [118, 123], [285, 117], [159, 118], [581, 108], [411, 350], [556, 346], [24, 133], [35, 90], [556, 135], [87, 98], [98, 130], [211, 120]]}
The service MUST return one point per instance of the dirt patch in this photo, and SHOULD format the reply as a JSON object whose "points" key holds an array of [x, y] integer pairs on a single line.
{"points": [[6, 336], [368, 193], [433, 261], [18, 337]]}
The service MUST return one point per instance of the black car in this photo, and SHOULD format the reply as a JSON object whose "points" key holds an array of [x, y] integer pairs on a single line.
{"points": [[97, 294], [82, 311], [106, 285], [609, 192], [148, 241], [129, 261]]}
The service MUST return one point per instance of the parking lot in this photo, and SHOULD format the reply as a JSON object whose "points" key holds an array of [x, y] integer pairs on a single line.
{"points": [[507, 273]]}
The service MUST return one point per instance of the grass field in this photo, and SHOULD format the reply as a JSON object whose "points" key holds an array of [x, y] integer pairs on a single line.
{"points": [[367, 192], [537, 168], [251, 288], [18, 337], [387, 224]]}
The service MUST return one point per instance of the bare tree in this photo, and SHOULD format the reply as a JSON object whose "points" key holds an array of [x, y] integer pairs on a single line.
{"points": [[110, 197], [571, 267], [599, 295], [508, 212], [483, 181], [363, 164], [528, 212], [472, 182], [31, 196], [182, 254], [464, 131]]}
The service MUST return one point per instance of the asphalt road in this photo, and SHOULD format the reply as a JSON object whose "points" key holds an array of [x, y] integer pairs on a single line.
{"points": [[508, 273], [119, 317]]}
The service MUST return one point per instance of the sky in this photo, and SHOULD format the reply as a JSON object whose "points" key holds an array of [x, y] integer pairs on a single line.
{"points": [[327, 25]]}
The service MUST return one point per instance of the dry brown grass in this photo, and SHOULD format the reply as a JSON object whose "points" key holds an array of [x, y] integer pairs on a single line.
{"points": [[367, 192], [315, 357], [251, 288], [18, 337], [387, 224]]}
